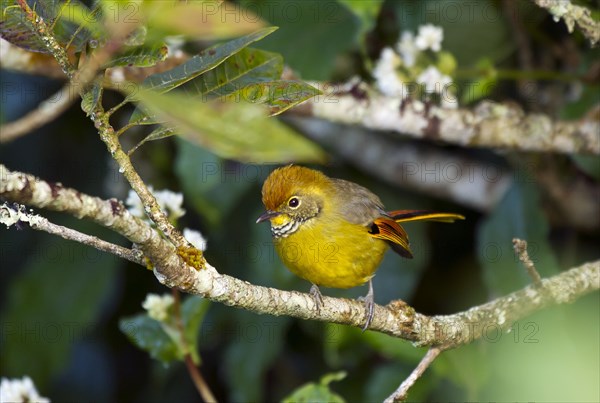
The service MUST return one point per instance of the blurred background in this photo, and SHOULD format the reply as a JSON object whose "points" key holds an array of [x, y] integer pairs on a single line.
{"points": [[61, 303]]}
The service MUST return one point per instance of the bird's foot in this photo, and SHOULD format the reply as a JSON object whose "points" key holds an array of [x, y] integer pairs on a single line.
{"points": [[369, 301], [315, 293]]}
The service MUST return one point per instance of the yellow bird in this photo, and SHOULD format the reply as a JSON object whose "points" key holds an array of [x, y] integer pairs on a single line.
{"points": [[333, 232]]}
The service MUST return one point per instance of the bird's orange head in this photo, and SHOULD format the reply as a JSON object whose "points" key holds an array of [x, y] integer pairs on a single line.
{"points": [[293, 195]]}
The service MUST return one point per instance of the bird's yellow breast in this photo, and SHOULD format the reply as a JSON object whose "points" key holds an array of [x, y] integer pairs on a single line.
{"points": [[331, 252]]}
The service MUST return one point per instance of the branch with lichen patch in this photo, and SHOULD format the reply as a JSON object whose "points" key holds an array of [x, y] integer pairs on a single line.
{"points": [[573, 15], [489, 124], [396, 319]]}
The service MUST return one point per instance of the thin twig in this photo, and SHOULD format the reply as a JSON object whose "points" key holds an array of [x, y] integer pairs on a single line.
{"points": [[47, 111], [520, 247], [193, 370], [401, 393], [10, 215]]}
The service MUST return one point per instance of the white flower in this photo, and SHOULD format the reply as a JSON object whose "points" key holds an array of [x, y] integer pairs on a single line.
{"points": [[448, 100], [386, 77], [134, 204], [157, 306], [408, 48], [20, 390], [170, 202], [430, 37], [195, 238], [433, 80]]}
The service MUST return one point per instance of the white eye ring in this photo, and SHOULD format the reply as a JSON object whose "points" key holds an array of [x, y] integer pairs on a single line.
{"points": [[294, 202]]}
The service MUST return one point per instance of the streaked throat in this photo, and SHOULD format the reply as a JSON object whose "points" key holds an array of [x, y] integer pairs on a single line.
{"points": [[284, 230]]}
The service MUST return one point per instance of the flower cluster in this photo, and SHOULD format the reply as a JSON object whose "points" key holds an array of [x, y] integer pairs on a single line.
{"points": [[20, 390], [158, 306], [172, 204], [417, 59]]}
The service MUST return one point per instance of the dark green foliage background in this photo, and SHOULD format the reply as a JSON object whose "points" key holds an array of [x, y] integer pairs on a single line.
{"points": [[61, 303]]}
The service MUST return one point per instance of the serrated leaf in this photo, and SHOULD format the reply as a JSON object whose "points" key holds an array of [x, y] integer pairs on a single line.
{"points": [[239, 131], [279, 96], [317, 392], [140, 56], [15, 28], [148, 335], [199, 19], [206, 60], [193, 310], [518, 215]]}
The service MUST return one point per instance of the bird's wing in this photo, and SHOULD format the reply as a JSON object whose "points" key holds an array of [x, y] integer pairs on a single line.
{"points": [[392, 232], [423, 215], [358, 205]]}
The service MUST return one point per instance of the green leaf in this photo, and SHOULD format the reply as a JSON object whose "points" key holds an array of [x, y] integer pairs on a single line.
{"points": [[205, 20], [193, 310], [239, 131], [221, 69], [246, 67], [149, 335], [53, 303], [92, 97], [317, 392], [312, 33], [140, 56], [279, 96], [518, 215], [15, 28], [206, 60], [161, 132]]}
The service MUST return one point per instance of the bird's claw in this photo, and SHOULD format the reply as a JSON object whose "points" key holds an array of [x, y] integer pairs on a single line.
{"points": [[369, 301], [315, 293]]}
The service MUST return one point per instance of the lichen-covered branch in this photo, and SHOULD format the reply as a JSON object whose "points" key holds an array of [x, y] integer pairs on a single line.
{"points": [[491, 125], [573, 15], [424, 168], [119, 32], [396, 318]]}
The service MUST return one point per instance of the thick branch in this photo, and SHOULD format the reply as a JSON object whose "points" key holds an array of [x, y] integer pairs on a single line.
{"points": [[493, 125], [396, 318], [573, 15]]}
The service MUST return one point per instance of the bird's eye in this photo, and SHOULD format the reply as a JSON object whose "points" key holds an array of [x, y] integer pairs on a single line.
{"points": [[294, 202]]}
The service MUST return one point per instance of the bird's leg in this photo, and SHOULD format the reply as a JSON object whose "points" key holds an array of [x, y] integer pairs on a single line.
{"points": [[369, 301], [317, 296]]}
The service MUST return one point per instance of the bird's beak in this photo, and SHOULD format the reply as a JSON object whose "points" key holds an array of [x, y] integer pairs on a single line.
{"points": [[267, 216]]}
